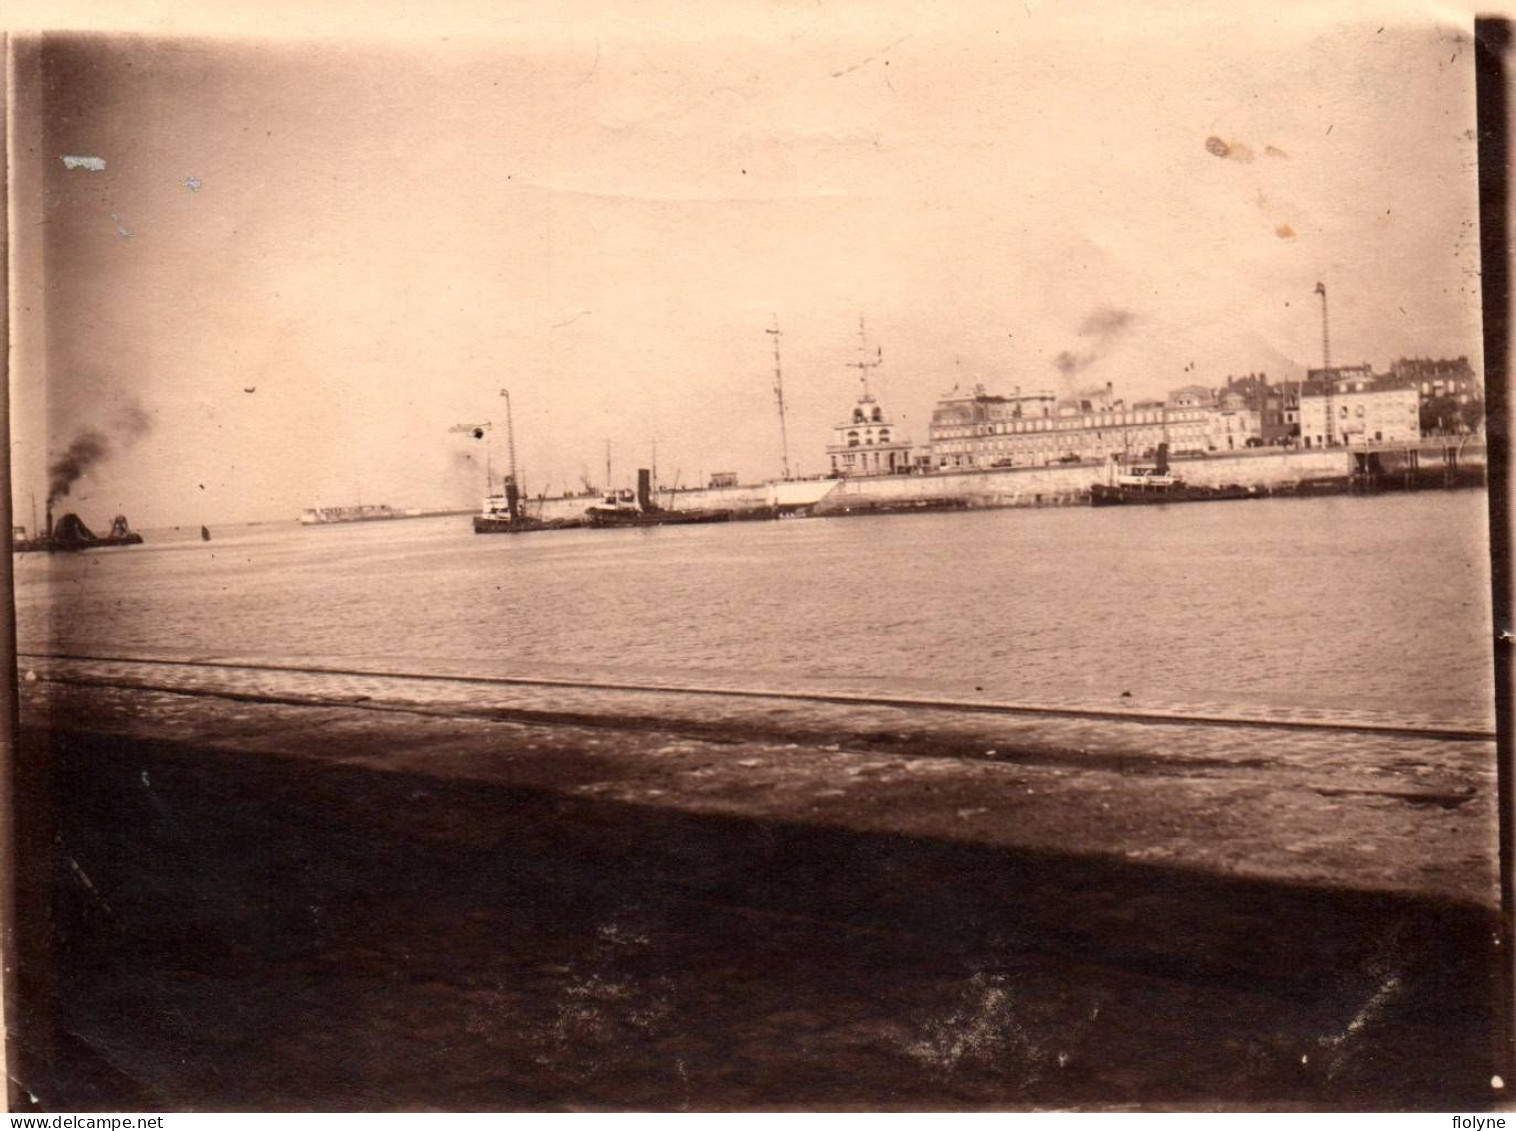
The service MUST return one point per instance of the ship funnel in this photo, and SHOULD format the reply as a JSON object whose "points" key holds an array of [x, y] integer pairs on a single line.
{"points": [[513, 500], [644, 489], [48, 531], [1163, 458]]}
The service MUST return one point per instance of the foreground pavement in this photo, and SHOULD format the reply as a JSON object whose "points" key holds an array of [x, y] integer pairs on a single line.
{"points": [[287, 892]]}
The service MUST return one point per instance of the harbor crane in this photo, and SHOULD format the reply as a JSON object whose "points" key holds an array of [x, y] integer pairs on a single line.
{"points": [[1329, 434], [784, 438]]}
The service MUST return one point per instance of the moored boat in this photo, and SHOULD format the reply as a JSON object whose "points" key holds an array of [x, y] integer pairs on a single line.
{"points": [[504, 514], [1155, 485], [626, 508]]}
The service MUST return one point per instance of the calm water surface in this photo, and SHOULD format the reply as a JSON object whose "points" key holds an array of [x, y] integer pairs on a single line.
{"points": [[1377, 603]]}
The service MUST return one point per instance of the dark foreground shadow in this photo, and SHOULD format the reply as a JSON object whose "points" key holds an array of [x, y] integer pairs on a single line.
{"points": [[233, 932]]}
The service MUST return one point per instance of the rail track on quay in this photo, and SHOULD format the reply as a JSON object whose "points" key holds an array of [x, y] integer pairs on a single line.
{"points": [[115, 671]]}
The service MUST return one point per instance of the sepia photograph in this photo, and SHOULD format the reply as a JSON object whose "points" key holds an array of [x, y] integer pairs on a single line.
{"points": [[749, 557]]}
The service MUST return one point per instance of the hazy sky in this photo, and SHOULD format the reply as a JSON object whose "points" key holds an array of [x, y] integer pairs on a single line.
{"points": [[604, 215]]}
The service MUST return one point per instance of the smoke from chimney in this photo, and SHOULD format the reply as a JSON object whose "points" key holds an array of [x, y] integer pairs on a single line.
{"points": [[92, 446], [1103, 327], [83, 452]]}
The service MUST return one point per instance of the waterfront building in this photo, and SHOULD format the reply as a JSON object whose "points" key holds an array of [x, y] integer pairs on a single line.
{"points": [[986, 430], [1440, 377], [1232, 424], [1273, 406], [1451, 393], [1342, 374], [1192, 396], [868, 443], [1363, 408]]}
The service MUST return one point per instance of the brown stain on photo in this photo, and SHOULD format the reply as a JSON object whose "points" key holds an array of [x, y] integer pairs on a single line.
{"points": [[1228, 150]]}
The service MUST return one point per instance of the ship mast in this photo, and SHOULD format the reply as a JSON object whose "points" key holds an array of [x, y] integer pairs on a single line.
{"points": [[784, 438], [863, 364]]}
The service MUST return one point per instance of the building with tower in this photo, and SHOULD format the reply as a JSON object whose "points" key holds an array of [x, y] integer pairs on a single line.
{"points": [[869, 442]]}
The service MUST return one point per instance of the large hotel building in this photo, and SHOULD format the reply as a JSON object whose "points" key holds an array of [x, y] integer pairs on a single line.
{"points": [[1031, 429]]}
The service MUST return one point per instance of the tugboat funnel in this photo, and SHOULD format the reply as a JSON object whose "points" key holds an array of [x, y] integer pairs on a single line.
{"points": [[644, 489], [1163, 458], [513, 500]]}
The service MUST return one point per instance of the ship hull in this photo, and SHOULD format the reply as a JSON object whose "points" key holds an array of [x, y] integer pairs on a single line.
{"points": [[604, 519], [485, 524], [1102, 495], [55, 546]]}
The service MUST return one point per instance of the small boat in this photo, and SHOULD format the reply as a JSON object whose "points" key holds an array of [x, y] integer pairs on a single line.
{"points": [[205, 534]]}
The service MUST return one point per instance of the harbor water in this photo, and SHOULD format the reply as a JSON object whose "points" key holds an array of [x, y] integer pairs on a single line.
{"points": [[1322, 606]]}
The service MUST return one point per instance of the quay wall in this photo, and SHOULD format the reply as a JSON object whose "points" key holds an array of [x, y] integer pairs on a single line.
{"points": [[1058, 485], [749, 497], [1070, 483], [1264, 468]]}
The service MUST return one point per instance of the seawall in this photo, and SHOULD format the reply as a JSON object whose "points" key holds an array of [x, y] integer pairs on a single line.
{"points": [[1069, 484], [1059, 485]]}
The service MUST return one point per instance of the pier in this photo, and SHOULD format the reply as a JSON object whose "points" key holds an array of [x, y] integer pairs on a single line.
{"points": [[357, 889]]}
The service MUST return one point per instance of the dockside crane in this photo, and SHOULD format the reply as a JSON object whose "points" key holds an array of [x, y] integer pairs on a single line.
{"points": [[510, 436], [784, 438], [1330, 433]]}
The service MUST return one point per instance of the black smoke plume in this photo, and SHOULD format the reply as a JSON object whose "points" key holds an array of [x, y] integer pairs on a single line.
{"points": [[87, 449], [1103, 328], [92, 446]]}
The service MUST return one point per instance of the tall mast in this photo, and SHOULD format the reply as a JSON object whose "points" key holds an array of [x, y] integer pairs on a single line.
{"points": [[1326, 365], [784, 438], [510, 437], [863, 364]]}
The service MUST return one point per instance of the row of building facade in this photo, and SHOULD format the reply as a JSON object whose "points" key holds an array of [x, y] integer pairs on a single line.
{"points": [[1350, 405]]}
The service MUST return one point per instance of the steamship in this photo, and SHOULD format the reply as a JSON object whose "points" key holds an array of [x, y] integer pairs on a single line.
{"points": [[505, 513], [1150, 485], [624, 508]]}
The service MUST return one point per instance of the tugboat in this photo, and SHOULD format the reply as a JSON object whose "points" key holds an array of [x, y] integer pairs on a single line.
{"points": [[1147, 486], [504, 514], [623, 508]]}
